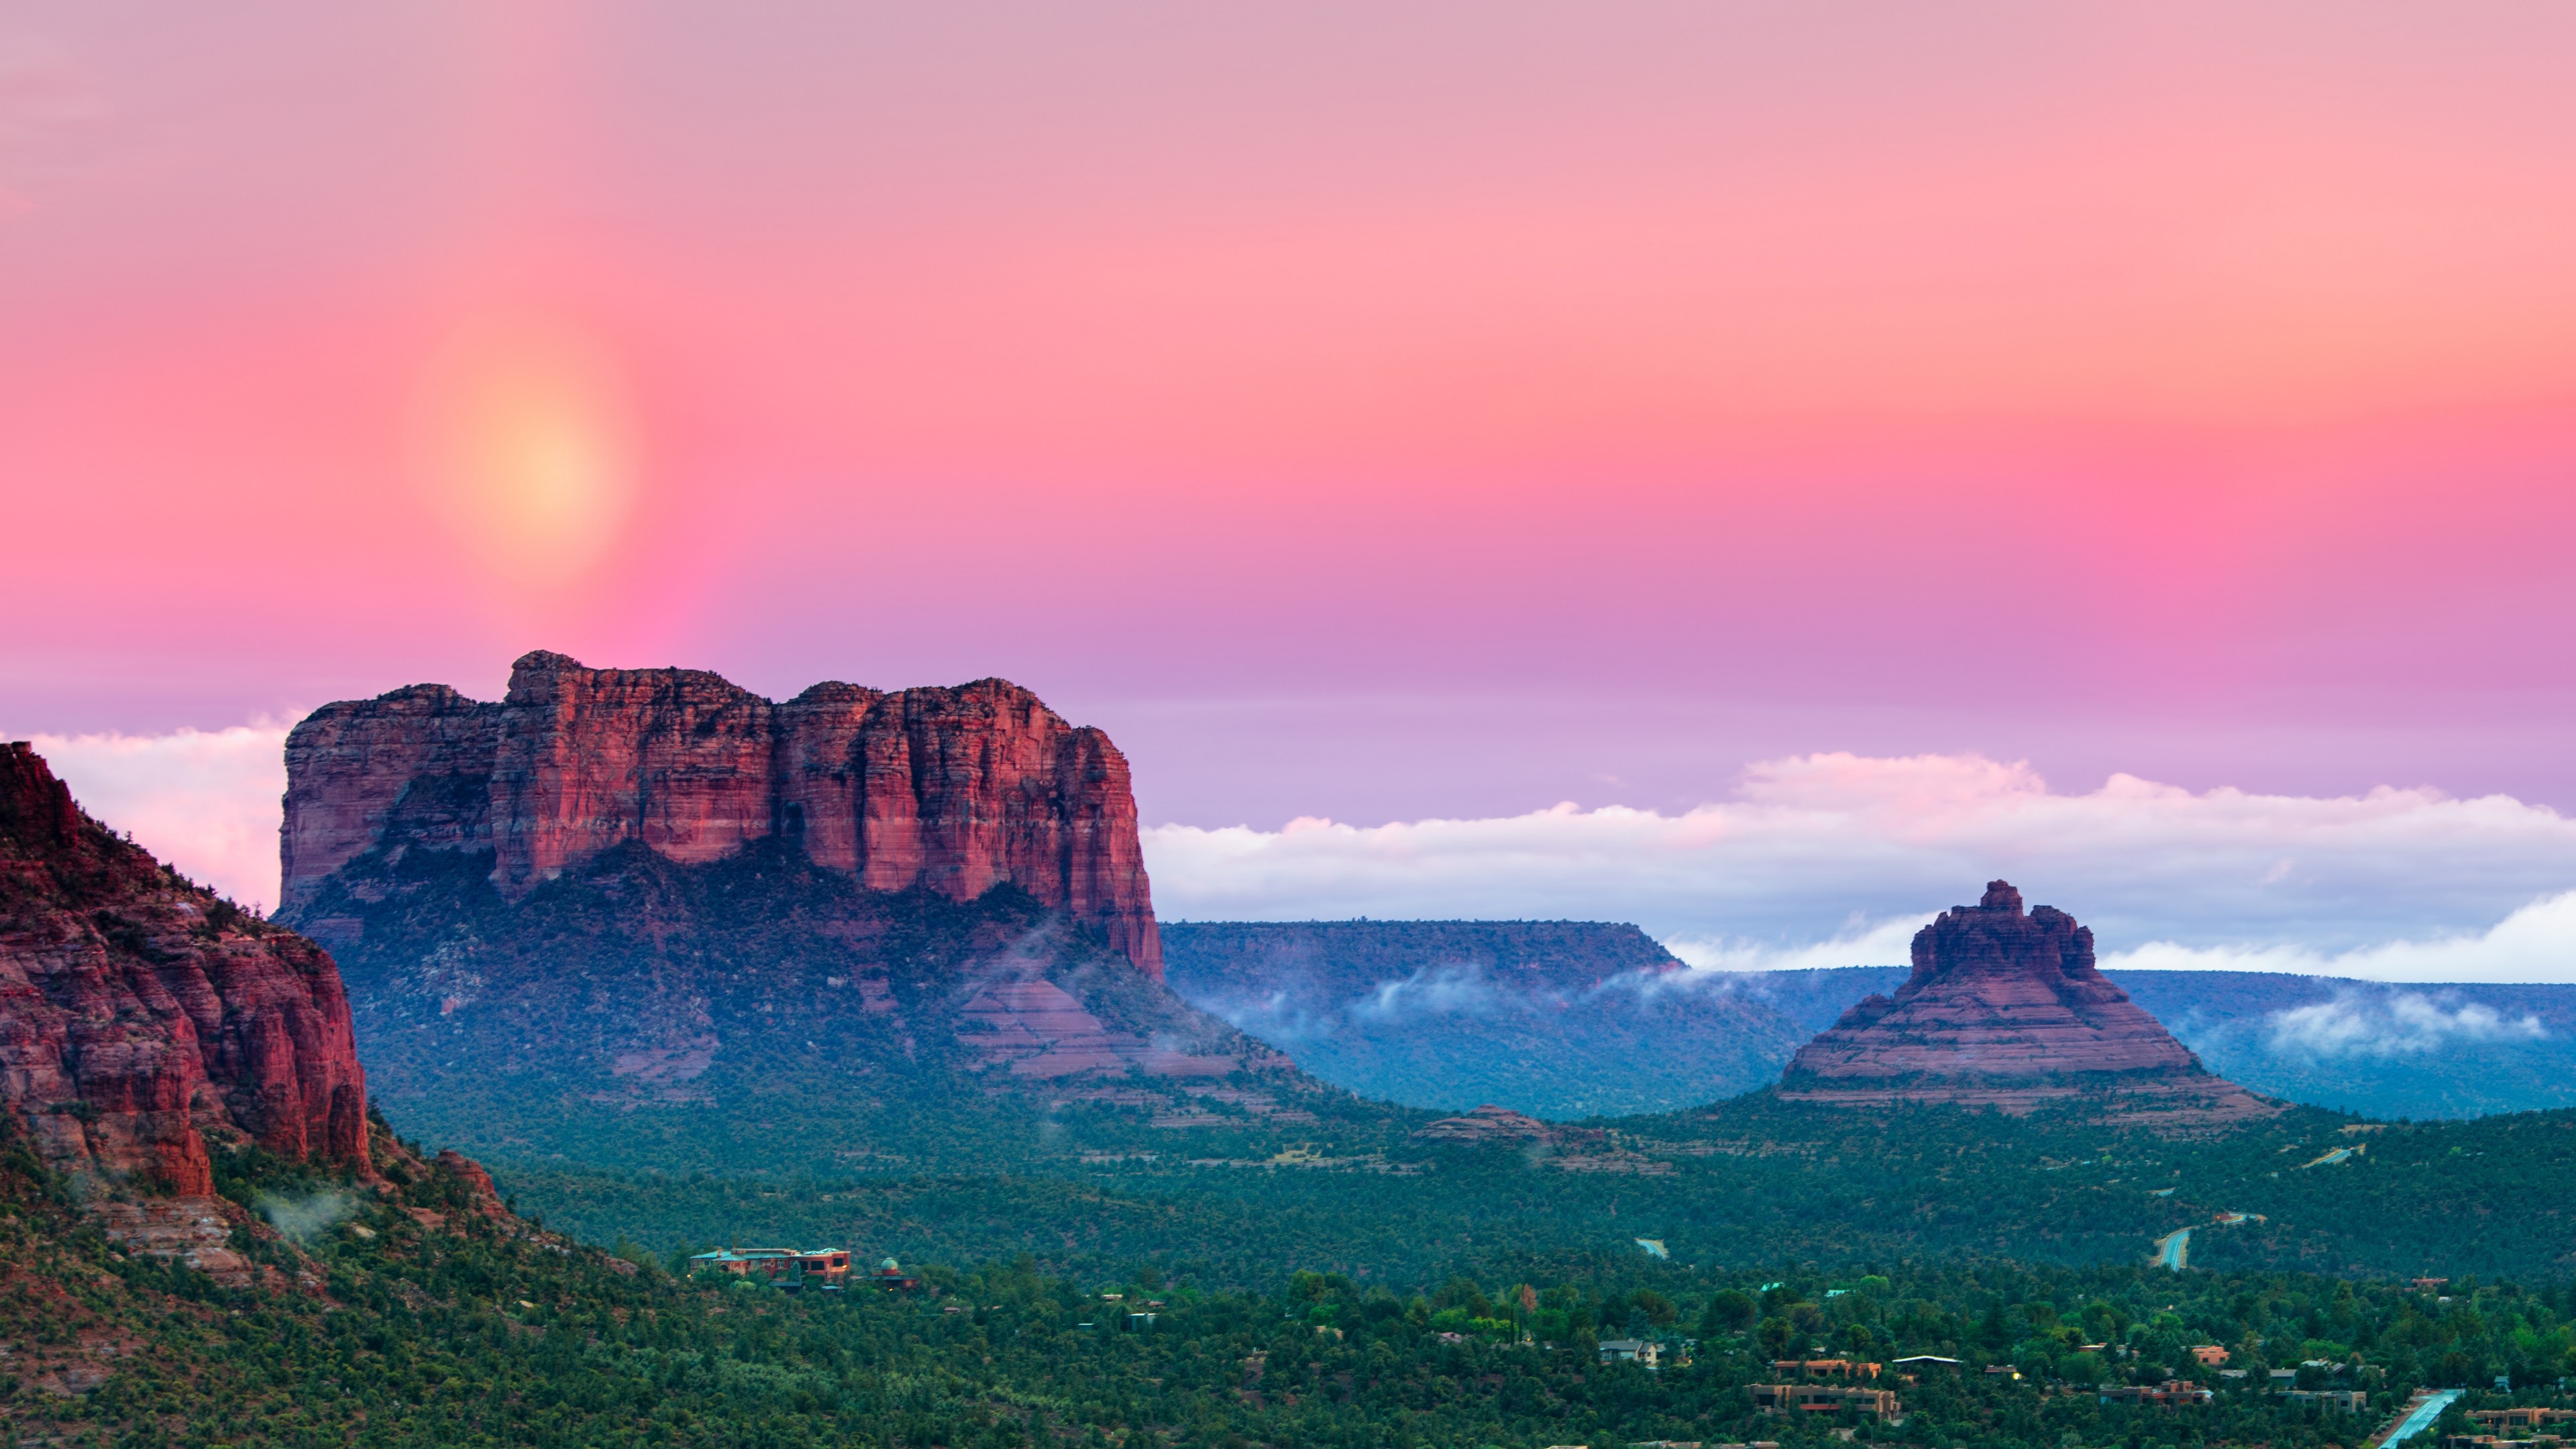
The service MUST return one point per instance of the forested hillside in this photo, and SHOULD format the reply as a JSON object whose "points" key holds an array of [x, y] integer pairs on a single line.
{"points": [[415, 1319], [1748, 1181]]}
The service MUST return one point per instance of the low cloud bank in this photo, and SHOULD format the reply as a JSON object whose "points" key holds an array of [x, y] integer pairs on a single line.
{"points": [[1835, 860], [306, 1217], [2404, 1023], [2535, 943], [1444, 991], [1817, 860], [1888, 944], [203, 801]]}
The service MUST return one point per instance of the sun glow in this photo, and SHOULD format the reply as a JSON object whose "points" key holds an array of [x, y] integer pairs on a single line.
{"points": [[528, 448]]}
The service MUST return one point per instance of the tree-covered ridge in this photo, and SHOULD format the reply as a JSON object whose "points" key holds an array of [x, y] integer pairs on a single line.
{"points": [[1748, 1181], [1552, 1018]]}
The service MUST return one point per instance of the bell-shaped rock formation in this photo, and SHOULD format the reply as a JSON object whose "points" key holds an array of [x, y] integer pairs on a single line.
{"points": [[957, 790], [2007, 1009], [141, 1015]]}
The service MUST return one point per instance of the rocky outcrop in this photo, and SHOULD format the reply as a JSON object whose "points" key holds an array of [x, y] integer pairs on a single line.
{"points": [[479, 1191], [2007, 1009], [957, 790], [141, 1016], [1488, 1123]]}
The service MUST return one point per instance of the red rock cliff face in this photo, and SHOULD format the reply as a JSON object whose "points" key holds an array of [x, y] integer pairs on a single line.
{"points": [[956, 789], [140, 1015], [2007, 1009]]}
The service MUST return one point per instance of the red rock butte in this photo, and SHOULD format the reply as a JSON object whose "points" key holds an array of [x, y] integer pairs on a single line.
{"points": [[2008, 1010], [141, 1016], [957, 790]]}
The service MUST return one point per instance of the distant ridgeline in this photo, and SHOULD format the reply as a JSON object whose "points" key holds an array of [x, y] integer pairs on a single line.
{"points": [[1561, 1019], [1418, 1012]]}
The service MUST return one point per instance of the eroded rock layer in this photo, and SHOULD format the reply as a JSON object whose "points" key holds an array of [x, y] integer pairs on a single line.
{"points": [[141, 1015], [2006, 1009], [958, 790]]}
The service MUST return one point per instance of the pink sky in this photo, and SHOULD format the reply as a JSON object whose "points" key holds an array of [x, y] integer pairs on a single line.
{"points": [[1365, 411]]}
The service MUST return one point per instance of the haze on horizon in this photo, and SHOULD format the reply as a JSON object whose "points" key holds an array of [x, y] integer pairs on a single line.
{"points": [[1389, 417]]}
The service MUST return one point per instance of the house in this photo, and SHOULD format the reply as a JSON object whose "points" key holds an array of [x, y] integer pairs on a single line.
{"points": [[2341, 1401], [742, 1262], [2209, 1355], [2003, 1371], [1823, 1399], [829, 1264], [889, 1275], [1822, 1368], [1922, 1361], [1632, 1350], [2523, 1418], [2170, 1393], [2490, 1441]]}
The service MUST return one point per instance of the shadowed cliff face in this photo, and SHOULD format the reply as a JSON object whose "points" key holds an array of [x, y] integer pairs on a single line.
{"points": [[141, 1015], [756, 1012], [2007, 1009], [954, 790]]}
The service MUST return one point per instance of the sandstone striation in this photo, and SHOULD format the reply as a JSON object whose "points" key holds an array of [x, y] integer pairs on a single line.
{"points": [[954, 790], [2006, 1009], [141, 1016]]}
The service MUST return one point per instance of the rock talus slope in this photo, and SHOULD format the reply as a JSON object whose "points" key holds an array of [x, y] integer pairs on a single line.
{"points": [[141, 1016], [2007, 1009], [957, 790]]}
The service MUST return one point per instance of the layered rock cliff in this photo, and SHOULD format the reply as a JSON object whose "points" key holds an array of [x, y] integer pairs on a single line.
{"points": [[141, 1016], [2007, 1009], [956, 790]]}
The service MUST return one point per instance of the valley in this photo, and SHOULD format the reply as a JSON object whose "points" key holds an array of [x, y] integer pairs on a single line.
{"points": [[645, 1049]]}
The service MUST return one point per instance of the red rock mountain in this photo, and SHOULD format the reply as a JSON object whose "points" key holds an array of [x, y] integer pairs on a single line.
{"points": [[2007, 1009], [955, 789], [141, 1016]]}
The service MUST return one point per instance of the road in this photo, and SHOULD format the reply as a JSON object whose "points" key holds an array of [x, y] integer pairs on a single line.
{"points": [[2173, 1248], [2421, 1419]]}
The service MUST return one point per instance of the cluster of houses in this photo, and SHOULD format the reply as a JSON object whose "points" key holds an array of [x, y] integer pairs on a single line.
{"points": [[825, 1268], [1831, 1385], [2501, 1424]]}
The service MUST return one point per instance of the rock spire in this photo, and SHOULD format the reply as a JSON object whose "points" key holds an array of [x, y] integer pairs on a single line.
{"points": [[2007, 1009]]}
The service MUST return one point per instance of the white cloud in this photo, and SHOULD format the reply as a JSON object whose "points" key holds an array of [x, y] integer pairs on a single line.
{"points": [[2404, 1023], [204, 801], [1888, 944], [1447, 991], [2535, 943], [1833, 859]]}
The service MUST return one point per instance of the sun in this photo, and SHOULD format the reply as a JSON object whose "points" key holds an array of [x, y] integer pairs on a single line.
{"points": [[528, 447]]}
